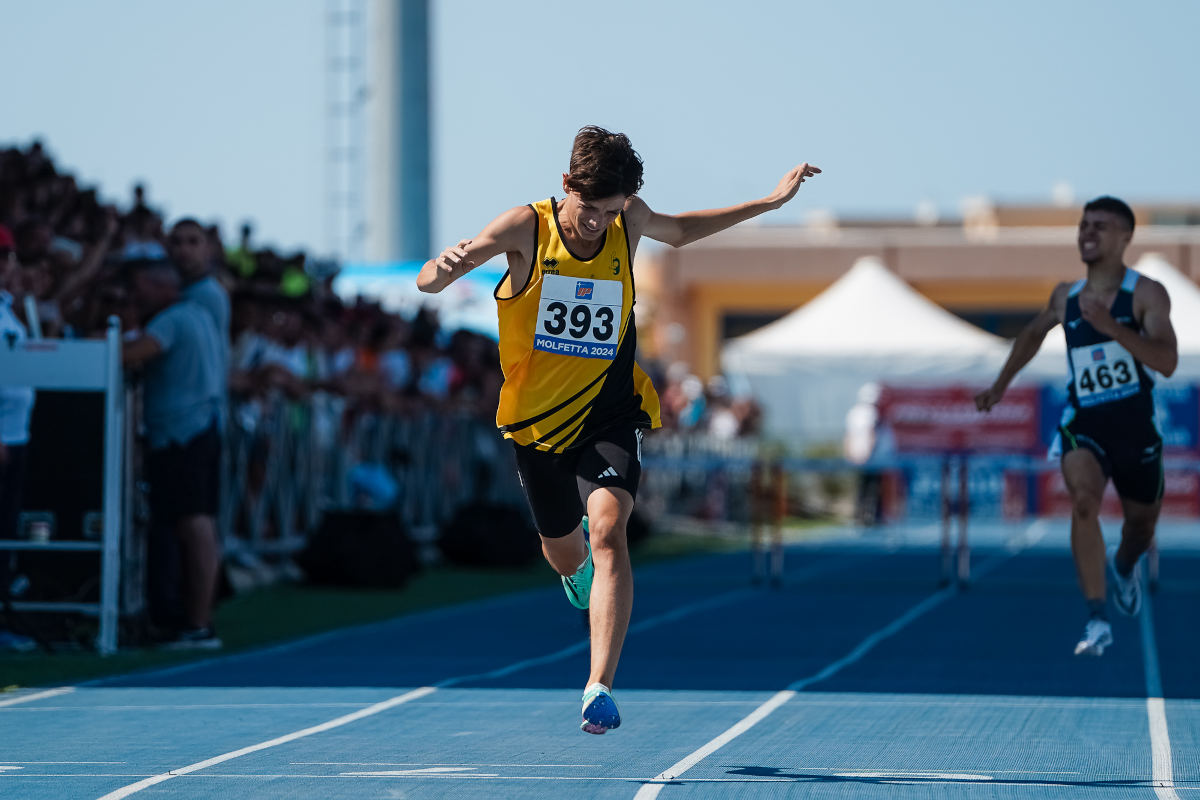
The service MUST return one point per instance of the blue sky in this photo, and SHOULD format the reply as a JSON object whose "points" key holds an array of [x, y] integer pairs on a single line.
{"points": [[218, 105]]}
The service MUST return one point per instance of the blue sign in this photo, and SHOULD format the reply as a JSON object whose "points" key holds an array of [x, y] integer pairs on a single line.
{"points": [[1176, 406]]}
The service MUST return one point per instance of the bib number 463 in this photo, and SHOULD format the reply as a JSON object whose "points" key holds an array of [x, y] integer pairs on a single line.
{"points": [[1102, 377], [1104, 373]]}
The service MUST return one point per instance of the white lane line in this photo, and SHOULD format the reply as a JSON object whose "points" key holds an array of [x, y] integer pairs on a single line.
{"points": [[403, 620], [133, 788], [669, 616], [746, 723], [868, 644], [425, 764], [28, 698], [196, 706], [673, 615], [651, 789], [1162, 770], [582, 646], [941, 779], [425, 772]]}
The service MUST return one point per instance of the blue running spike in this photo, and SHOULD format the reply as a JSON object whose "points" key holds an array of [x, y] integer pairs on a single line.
{"points": [[600, 712]]}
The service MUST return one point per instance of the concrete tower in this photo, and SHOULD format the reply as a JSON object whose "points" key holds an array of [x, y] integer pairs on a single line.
{"points": [[398, 173]]}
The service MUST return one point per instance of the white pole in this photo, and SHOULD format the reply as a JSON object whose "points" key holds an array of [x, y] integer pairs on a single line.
{"points": [[110, 560]]}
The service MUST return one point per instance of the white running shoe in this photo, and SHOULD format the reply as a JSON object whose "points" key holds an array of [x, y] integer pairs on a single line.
{"points": [[1096, 636], [1127, 592]]}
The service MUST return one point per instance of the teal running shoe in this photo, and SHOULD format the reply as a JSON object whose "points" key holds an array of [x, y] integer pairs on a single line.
{"points": [[579, 586], [600, 712]]}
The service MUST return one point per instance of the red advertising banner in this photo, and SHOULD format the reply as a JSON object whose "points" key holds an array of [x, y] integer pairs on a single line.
{"points": [[943, 419], [1181, 495]]}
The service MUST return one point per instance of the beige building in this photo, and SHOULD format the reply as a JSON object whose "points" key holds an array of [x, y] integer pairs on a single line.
{"points": [[996, 267]]}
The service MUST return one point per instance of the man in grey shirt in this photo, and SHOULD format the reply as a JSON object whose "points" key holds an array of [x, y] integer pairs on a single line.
{"points": [[191, 251], [180, 352]]}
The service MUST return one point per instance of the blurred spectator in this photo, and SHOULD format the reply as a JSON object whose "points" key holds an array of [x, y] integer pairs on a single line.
{"points": [[717, 408], [863, 446], [180, 353], [395, 362], [143, 228], [241, 260], [723, 422], [190, 249], [286, 330], [16, 406]]}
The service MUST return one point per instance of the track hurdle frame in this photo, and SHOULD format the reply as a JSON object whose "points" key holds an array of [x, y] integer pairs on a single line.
{"points": [[956, 559]]}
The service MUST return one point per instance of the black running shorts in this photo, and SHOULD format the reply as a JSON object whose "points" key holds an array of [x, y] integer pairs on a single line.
{"points": [[185, 479], [1130, 454], [557, 485]]}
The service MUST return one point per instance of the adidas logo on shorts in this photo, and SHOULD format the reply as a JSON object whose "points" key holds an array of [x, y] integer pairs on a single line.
{"points": [[608, 473]]}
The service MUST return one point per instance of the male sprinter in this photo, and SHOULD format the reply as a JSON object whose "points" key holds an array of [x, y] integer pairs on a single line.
{"points": [[573, 402], [1118, 328]]}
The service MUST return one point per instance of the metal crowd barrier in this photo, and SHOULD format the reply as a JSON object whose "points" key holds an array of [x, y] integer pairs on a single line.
{"points": [[706, 477], [287, 462]]}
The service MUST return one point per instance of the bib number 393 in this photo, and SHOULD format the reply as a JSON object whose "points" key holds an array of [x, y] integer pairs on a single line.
{"points": [[578, 317], [1103, 373]]}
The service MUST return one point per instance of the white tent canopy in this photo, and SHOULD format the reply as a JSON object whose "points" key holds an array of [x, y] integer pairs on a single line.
{"points": [[1051, 360], [806, 368]]}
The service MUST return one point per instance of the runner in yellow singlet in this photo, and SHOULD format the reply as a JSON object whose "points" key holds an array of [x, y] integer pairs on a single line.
{"points": [[574, 402]]}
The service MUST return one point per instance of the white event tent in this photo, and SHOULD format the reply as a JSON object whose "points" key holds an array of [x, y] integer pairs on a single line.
{"points": [[806, 368]]}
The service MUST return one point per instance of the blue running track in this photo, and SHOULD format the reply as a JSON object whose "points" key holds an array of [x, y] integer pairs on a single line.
{"points": [[858, 678]]}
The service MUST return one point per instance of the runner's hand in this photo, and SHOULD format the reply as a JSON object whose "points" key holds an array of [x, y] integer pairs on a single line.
{"points": [[455, 257], [1097, 315], [788, 185], [985, 400]]}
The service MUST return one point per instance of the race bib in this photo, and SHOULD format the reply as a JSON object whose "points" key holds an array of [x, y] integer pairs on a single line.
{"points": [[1103, 373], [578, 317]]}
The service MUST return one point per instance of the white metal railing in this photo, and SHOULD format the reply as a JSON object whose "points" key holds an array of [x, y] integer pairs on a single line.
{"points": [[92, 365]]}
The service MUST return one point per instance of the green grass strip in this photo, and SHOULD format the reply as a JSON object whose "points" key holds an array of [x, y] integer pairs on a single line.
{"points": [[288, 611]]}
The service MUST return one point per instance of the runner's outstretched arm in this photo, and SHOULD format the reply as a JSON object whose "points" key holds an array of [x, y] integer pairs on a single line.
{"points": [[680, 229], [1024, 348], [511, 232]]}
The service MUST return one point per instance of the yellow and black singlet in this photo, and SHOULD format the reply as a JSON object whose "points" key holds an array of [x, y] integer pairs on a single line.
{"points": [[567, 343]]}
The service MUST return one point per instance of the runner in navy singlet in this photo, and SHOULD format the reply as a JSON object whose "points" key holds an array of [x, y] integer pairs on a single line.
{"points": [[1118, 330]]}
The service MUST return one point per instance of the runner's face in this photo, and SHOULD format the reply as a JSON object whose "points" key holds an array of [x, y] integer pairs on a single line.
{"points": [[1102, 236], [590, 218]]}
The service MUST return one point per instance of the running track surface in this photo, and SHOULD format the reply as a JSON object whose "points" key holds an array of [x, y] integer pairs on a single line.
{"points": [[858, 678]]}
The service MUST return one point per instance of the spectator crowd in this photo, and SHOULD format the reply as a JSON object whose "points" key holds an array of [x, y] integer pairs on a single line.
{"points": [[212, 324], [288, 329]]}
